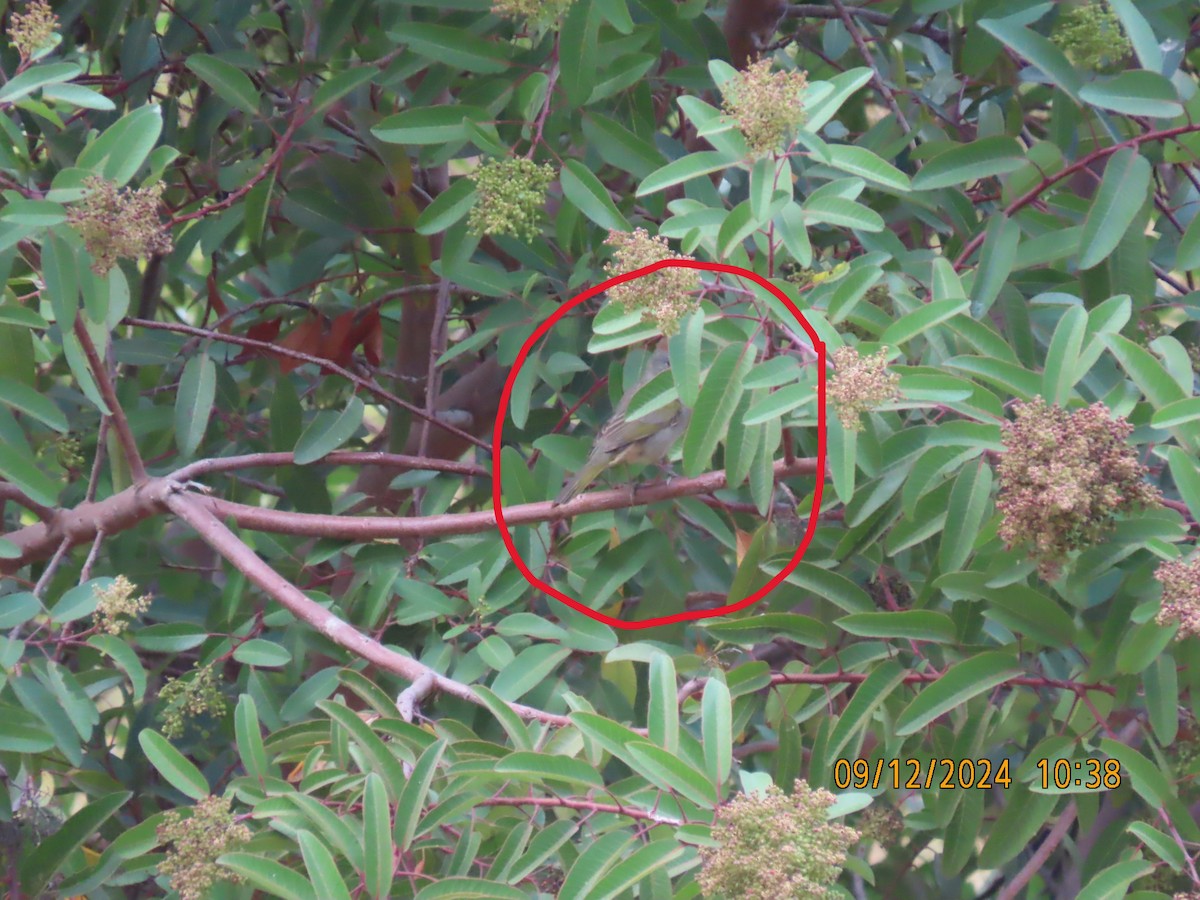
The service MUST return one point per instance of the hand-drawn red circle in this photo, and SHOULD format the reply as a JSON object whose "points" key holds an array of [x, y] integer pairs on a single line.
{"points": [[503, 411]]}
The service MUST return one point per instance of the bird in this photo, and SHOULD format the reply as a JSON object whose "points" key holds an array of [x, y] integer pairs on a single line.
{"points": [[644, 440]]}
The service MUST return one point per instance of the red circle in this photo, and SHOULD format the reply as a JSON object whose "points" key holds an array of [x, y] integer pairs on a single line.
{"points": [[503, 410]]}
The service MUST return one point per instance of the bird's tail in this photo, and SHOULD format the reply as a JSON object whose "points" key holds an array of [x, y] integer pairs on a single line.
{"points": [[590, 471]]}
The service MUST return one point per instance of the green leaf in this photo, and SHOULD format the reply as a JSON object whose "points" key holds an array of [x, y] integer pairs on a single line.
{"points": [[461, 887], [378, 853], [24, 399], [1187, 254], [868, 698], [776, 403], [669, 772], [842, 213], [702, 162], [194, 402], [379, 756], [968, 504], [1186, 475], [447, 207], [765, 626], [429, 124], [321, 868], [620, 147], [541, 767], [1146, 779], [984, 158], [577, 53], [662, 714], [60, 269], [639, 865], [913, 624], [454, 47], [719, 397], [249, 738], [532, 666], [79, 601], [921, 320], [258, 204], [53, 853], [600, 855], [1123, 191], [412, 798], [1040, 51], [338, 86], [36, 77], [1166, 848], [1112, 882], [739, 224], [583, 188], [969, 678], [844, 85], [868, 165], [118, 153], [269, 876], [996, 262], [260, 652], [328, 431], [1141, 35], [1062, 356], [11, 314], [17, 465], [42, 213], [1134, 92], [229, 82], [77, 95], [716, 726], [1145, 371], [18, 609], [180, 772]]}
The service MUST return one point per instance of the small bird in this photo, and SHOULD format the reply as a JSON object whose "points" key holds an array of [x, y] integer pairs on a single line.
{"points": [[645, 440]]}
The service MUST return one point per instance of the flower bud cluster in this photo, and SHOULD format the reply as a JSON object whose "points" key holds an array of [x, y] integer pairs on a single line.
{"points": [[119, 224], [535, 13], [32, 28], [766, 104], [186, 699], [774, 846], [860, 384], [116, 603], [1092, 37], [665, 296], [196, 842], [1064, 477], [510, 197], [1181, 595]]}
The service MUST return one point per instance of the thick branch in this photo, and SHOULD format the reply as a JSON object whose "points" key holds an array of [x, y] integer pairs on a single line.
{"points": [[135, 504], [191, 509], [391, 527]]}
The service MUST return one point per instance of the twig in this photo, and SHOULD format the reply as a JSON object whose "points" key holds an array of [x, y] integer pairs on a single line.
{"points": [[880, 84], [1082, 163], [51, 566], [86, 572], [1065, 820], [364, 383], [136, 467]]}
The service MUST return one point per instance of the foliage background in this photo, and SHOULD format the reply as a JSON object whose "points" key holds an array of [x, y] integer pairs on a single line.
{"points": [[1017, 218]]}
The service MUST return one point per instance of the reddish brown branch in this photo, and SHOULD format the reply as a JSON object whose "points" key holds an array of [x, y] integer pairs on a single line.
{"points": [[190, 508], [137, 468], [1082, 163]]}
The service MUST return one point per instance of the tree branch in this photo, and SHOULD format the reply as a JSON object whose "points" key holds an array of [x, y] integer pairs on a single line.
{"points": [[136, 467]]}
